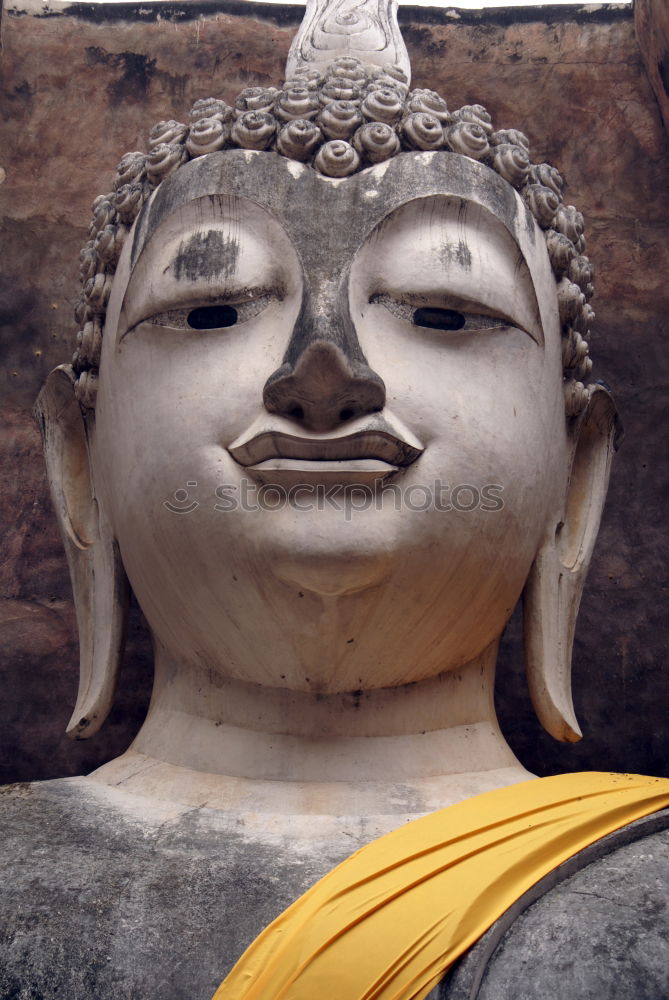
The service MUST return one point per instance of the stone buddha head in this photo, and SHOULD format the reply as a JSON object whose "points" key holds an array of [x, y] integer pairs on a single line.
{"points": [[328, 416]]}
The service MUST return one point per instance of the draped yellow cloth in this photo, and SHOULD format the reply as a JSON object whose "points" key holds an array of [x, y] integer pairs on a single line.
{"points": [[387, 922]]}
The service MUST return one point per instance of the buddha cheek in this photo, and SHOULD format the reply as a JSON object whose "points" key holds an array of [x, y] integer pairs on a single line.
{"points": [[492, 445]]}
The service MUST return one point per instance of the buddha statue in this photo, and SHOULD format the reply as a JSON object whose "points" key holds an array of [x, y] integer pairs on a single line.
{"points": [[328, 418]]}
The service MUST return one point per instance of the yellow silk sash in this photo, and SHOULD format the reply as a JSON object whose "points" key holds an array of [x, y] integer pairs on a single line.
{"points": [[387, 922]]}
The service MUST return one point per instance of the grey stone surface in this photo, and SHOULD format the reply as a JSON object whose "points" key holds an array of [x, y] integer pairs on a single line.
{"points": [[99, 903], [102, 899], [602, 932]]}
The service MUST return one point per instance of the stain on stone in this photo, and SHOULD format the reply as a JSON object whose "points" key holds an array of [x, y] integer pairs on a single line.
{"points": [[139, 234], [284, 15], [354, 698], [424, 41], [137, 71], [504, 17], [191, 10], [134, 84], [663, 69], [211, 255], [15, 308], [174, 84], [21, 92], [456, 253]]}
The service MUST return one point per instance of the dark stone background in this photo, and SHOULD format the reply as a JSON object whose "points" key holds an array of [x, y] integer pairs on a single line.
{"points": [[81, 87]]}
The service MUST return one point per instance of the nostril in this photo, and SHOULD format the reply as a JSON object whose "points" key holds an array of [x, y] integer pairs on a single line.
{"points": [[297, 413], [346, 414]]}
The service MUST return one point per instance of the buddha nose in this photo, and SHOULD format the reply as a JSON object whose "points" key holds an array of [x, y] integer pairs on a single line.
{"points": [[324, 379]]}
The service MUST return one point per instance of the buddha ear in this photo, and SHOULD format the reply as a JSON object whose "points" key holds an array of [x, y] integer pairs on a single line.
{"points": [[553, 590], [99, 583]]}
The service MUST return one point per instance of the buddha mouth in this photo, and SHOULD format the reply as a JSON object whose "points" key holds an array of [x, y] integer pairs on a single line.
{"points": [[365, 450]]}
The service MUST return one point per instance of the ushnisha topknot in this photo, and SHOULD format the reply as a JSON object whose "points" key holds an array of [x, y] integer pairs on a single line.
{"points": [[338, 120]]}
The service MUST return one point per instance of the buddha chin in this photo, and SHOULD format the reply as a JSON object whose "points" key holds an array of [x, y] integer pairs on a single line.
{"points": [[328, 573]]}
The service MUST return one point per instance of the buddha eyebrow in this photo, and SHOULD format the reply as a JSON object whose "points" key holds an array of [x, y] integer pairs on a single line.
{"points": [[459, 253], [209, 254]]}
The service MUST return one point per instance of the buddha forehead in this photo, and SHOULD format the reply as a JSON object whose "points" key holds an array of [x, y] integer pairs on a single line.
{"points": [[293, 190]]}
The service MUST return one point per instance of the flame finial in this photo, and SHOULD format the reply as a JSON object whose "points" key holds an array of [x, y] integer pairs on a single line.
{"points": [[365, 29]]}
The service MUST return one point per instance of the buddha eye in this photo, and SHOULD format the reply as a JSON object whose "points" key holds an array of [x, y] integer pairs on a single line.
{"points": [[438, 319], [212, 317], [219, 316]]}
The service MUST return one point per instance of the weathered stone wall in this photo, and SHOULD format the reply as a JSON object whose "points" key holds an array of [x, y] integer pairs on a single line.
{"points": [[651, 20], [81, 87]]}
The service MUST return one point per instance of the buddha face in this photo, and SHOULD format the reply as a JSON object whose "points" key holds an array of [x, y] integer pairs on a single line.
{"points": [[330, 431]]}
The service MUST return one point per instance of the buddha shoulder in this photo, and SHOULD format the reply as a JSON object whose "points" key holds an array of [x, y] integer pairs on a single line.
{"points": [[109, 895], [596, 927]]}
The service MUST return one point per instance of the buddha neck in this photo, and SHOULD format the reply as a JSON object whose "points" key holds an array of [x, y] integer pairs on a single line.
{"points": [[426, 744]]}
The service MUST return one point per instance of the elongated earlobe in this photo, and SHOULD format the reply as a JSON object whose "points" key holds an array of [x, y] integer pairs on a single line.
{"points": [[553, 591], [99, 583]]}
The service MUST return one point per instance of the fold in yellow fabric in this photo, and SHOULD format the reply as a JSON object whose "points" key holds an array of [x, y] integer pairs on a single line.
{"points": [[386, 923]]}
